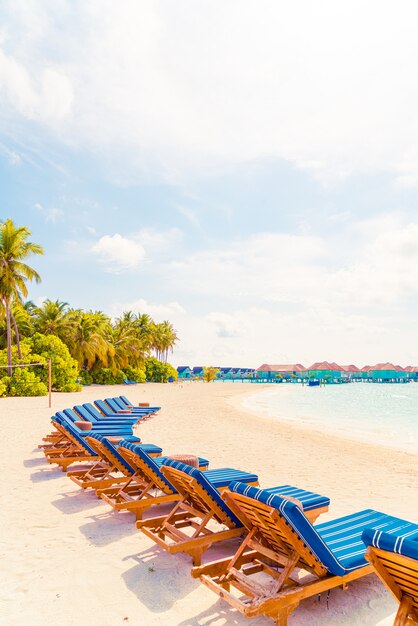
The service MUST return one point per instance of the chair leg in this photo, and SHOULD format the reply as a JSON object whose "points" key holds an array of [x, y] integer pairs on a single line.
{"points": [[283, 616], [403, 611]]}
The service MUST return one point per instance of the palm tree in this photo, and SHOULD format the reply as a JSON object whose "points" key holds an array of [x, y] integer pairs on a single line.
{"points": [[14, 272], [54, 318], [89, 342], [164, 337]]}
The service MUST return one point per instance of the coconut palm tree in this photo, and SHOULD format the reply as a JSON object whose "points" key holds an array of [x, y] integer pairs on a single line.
{"points": [[90, 339], [54, 318], [14, 272]]}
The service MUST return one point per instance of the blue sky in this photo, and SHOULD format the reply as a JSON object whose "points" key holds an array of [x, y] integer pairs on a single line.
{"points": [[248, 171]]}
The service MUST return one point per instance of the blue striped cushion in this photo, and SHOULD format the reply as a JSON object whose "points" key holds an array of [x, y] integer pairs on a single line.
{"points": [[71, 429], [206, 484], [148, 460], [308, 499], [403, 540], [336, 544]]}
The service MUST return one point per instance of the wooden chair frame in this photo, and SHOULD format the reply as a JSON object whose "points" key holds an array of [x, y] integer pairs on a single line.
{"points": [[272, 547], [195, 510], [70, 453], [102, 473], [400, 575], [141, 491]]}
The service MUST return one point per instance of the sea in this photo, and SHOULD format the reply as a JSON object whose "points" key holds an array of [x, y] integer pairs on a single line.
{"points": [[384, 414]]}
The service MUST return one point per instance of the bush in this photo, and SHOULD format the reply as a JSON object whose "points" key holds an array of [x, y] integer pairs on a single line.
{"points": [[209, 374], [135, 374], [64, 367], [25, 383], [85, 377], [105, 376], [157, 372], [4, 383]]}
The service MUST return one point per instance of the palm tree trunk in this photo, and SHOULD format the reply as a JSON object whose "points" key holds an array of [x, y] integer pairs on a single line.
{"points": [[19, 352], [9, 339]]}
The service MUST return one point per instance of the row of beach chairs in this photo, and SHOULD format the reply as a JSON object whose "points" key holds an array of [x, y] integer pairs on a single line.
{"points": [[282, 558]]}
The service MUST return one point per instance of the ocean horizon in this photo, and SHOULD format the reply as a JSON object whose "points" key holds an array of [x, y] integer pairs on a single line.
{"points": [[384, 414]]}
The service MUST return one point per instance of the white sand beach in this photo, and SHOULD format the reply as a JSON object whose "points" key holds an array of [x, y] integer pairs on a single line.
{"points": [[68, 559]]}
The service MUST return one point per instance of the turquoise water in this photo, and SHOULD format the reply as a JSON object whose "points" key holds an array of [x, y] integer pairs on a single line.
{"points": [[385, 414]]}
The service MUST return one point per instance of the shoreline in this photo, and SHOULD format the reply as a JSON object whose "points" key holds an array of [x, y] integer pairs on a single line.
{"points": [[51, 526], [379, 448]]}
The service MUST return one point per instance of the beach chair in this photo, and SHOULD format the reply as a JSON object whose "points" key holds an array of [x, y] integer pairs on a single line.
{"points": [[296, 560], [77, 449], [201, 518], [90, 412], [123, 431], [147, 486], [395, 560], [110, 468], [128, 404]]}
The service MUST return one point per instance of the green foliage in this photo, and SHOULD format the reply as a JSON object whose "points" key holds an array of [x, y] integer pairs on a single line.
{"points": [[85, 377], [105, 376], [64, 367], [24, 383], [209, 373], [158, 372], [135, 374], [4, 384]]}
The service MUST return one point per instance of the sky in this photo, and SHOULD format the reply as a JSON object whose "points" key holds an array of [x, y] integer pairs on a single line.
{"points": [[246, 170]]}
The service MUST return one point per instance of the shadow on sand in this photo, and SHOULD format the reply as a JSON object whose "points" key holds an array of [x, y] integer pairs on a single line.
{"points": [[156, 569], [105, 528], [35, 462], [76, 501]]}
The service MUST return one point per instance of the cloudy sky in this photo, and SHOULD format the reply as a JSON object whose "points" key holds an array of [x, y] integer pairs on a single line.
{"points": [[247, 170]]}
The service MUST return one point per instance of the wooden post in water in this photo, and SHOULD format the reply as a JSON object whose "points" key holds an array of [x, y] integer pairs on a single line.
{"points": [[50, 382]]}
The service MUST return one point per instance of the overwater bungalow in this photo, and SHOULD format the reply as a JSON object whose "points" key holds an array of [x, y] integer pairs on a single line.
{"points": [[350, 372], [331, 372], [281, 372], [387, 372]]}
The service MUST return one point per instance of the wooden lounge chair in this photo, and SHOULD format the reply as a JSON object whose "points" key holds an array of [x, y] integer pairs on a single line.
{"points": [[283, 545], [146, 487], [395, 560], [110, 468], [200, 516], [77, 450], [117, 406]]}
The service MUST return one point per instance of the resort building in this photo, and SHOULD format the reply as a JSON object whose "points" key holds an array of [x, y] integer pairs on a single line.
{"points": [[325, 371], [286, 372], [387, 372], [184, 371]]}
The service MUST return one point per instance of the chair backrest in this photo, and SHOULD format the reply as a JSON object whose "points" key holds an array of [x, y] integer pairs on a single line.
{"points": [[73, 435], [85, 414], [104, 408], [110, 453], [395, 558], [121, 405], [125, 400], [113, 405], [145, 465], [72, 415], [93, 410], [284, 527], [404, 542], [192, 483]]}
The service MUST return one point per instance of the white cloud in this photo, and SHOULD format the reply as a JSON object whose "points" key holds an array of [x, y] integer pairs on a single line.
{"points": [[157, 311], [185, 90], [50, 214], [119, 253], [226, 325]]}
